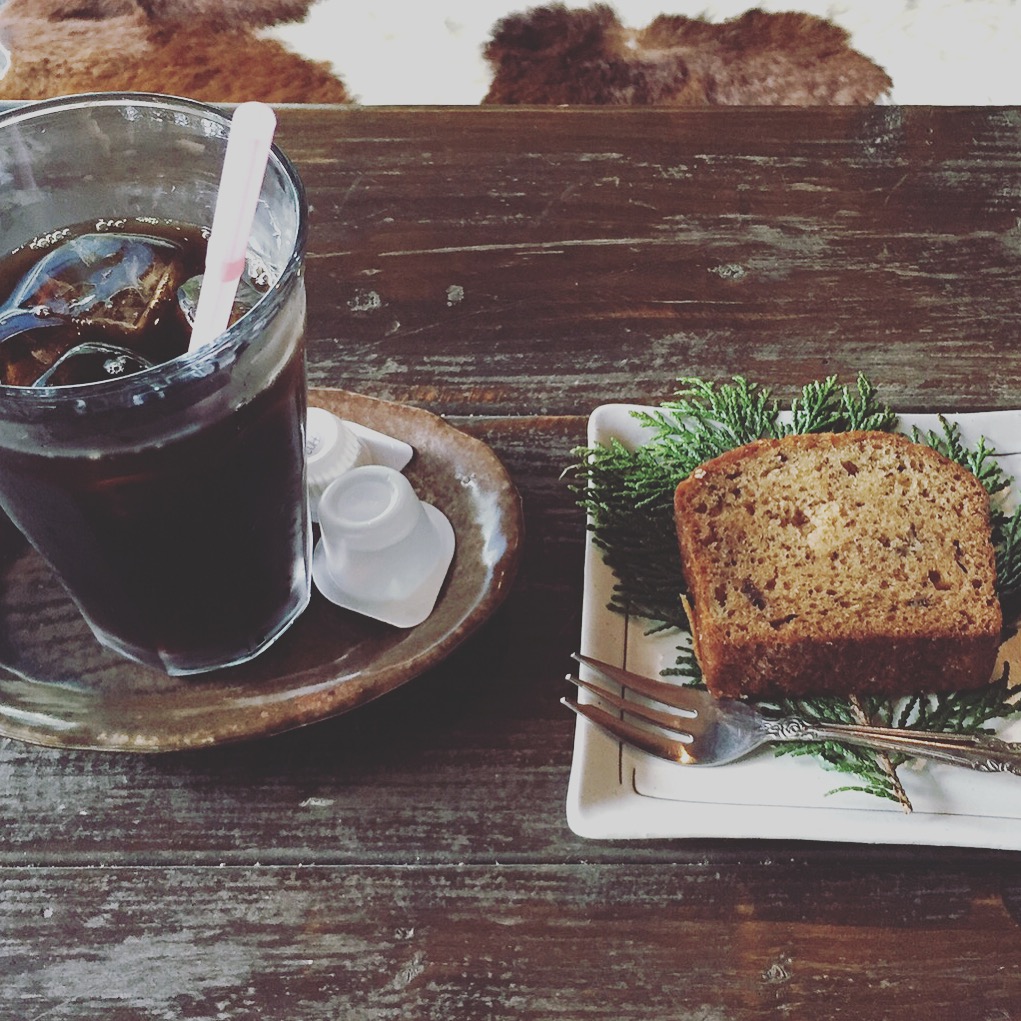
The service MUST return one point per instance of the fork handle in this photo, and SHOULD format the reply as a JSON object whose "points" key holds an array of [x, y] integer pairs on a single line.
{"points": [[976, 751]]}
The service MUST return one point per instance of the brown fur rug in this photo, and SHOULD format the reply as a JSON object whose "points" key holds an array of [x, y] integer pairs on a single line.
{"points": [[209, 50], [553, 55], [197, 48]]}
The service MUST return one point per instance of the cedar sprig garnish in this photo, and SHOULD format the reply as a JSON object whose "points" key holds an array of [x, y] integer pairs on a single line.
{"points": [[705, 421], [964, 712], [826, 407], [981, 461], [628, 497], [1007, 543], [1006, 527]]}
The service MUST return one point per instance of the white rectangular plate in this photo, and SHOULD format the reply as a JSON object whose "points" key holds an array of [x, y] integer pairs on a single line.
{"points": [[617, 792]]}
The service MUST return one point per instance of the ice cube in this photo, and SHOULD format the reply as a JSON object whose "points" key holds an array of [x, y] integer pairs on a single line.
{"points": [[30, 342], [102, 287], [250, 292], [92, 362], [119, 283]]}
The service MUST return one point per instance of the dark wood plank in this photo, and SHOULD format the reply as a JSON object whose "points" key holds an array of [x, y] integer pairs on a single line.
{"points": [[485, 943], [503, 262]]}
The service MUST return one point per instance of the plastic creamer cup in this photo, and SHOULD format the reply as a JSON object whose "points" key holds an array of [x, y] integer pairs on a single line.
{"points": [[332, 449], [383, 552]]}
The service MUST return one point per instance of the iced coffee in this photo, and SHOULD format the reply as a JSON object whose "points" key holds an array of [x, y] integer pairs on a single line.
{"points": [[166, 489]]}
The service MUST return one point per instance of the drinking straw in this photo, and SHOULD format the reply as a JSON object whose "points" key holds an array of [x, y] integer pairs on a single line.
{"points": [[244, 166]]}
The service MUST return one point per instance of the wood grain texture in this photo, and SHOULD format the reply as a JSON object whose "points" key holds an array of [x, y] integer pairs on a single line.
{"points": [[511, 270], [503, 262], [693, 943]]}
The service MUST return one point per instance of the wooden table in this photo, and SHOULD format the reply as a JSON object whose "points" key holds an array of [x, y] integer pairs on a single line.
{"points": [[511, 270]]}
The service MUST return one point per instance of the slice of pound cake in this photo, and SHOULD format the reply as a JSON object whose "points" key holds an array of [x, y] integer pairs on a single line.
{"points": [[838, 563]]}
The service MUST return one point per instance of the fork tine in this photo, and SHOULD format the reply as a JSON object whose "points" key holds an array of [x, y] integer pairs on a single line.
{"points": [[691, 700], [671, 721], [648, 741]]}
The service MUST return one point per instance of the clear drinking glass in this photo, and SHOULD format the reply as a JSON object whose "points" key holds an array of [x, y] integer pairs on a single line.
{"points": [[170, 502]]}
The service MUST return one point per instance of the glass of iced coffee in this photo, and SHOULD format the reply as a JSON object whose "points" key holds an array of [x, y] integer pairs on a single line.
{"points": [[166, 489]]}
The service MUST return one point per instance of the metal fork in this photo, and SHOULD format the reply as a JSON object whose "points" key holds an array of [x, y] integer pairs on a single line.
{"points": [[707, 731]]}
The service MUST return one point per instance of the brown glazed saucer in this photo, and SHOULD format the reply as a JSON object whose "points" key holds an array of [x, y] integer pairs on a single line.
{"points": [[60, 687]]}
